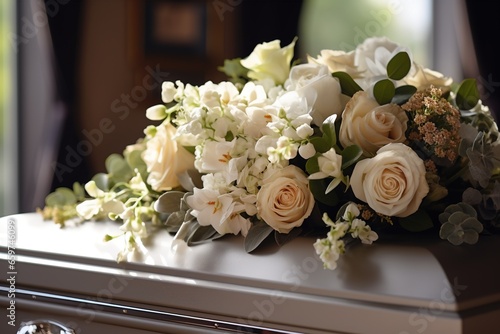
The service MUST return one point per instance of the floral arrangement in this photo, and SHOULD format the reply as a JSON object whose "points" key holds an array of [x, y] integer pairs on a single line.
{"points": [[345, 146]]}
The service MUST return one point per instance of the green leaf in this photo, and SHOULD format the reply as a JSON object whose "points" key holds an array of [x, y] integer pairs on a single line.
{"points": [[312, 165], [467, 94], [169, 202], [174, 221], [134, 160], [403, 94], [283, 238], [320, 144], [259, 231], [347, 84], [60, 197], [102, 181], [399, 66], [350, 155], [79, 191], [118, 168], [318, 189], [417, 222], [384, 91], [329, 133], [202, 234], [233, 69]]}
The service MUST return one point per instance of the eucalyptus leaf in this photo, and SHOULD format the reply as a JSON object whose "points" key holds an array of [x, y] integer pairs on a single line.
{"points": [[102, 181], [118, 168], [320, 144], [312, 165], [169, 202], [348, 86], [60, 197], [384, 91], [403, 94], [399, 66], [135, 161], [467, 94], [257, 233], [417, 222]]}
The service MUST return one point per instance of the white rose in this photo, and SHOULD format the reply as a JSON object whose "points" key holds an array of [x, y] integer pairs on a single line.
{"points": [[321, 90], [372, 56], [423, 78], [370, 125], [393, 182], [165, 159], [285, 201], [270, 61]]}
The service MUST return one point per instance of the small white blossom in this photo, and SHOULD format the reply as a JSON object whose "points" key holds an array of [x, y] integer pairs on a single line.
{"points": [[360, 230], [168, 91], [307, 151]]}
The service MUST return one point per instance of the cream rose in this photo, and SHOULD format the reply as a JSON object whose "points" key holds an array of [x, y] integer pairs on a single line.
{"points": [[165, 159], [423, 78], [285, 201], [337, 61], [370, 125], [321, 90], [270, 61], [393, 182]]}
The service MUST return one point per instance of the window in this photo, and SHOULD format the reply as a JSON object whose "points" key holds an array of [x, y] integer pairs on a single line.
{"points": [[341, 25]]}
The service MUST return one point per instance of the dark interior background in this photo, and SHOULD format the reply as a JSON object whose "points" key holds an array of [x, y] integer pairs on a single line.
{"points": [[105, 69]]}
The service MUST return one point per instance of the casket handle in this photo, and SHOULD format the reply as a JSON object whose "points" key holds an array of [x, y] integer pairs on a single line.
{"points": [[44, 326]]}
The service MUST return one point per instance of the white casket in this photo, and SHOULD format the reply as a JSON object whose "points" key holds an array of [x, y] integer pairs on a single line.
{"points": [[70, 277]]}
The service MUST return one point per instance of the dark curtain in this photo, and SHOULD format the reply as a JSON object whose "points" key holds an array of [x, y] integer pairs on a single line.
{"points": [[267, 20], [65, 22], [485, 26]]}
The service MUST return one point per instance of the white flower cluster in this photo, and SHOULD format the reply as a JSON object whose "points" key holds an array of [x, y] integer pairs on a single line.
{"points": [[240, 138], [330, 248]]}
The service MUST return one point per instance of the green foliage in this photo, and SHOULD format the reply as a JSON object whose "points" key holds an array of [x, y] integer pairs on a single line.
{"points": [[460, 224], [169, 202], [399, 66], [347, 84], [384, 91], [318, 189], [259, 231], [467, 95], [350, 155], [201, 234], [403, 93], [118, 169], [60, 197], [234, 70]]}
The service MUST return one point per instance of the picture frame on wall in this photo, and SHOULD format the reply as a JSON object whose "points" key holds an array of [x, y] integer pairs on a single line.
{"points": [[175, 28], [185, 38]]}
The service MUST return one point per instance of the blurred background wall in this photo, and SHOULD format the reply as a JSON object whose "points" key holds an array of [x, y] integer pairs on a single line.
{"points": [[77, 76]]}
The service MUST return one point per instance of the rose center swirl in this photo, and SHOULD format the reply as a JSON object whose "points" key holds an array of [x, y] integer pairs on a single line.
{"points": [[287, 197], [391, 184]]}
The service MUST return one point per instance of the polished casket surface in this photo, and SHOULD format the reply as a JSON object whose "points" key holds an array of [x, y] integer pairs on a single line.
{"points": [[397, 285]]}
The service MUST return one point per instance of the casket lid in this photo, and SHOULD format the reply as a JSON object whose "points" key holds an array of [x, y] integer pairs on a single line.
{"points": [[399, 277]]}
